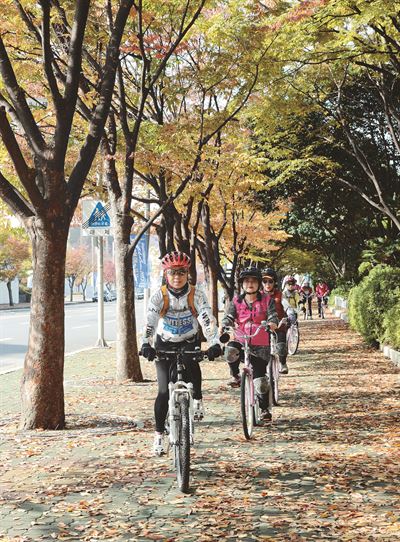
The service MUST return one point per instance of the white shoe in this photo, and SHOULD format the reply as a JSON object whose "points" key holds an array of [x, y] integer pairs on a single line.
{"points": [[235, 381], [158, 445], [284, 369], [198, 409]]}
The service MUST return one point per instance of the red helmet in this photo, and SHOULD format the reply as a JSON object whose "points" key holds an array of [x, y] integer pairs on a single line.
{"points": [[290, 279], [175, 259]]}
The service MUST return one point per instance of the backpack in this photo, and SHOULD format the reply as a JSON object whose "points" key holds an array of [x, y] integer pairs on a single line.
{"points": [[190, 299]]}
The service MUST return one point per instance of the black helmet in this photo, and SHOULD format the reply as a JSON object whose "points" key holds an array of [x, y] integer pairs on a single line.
{"points": [[269, 272], [250, 272]]}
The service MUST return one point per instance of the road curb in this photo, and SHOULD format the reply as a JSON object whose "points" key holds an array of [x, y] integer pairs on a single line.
{"points": [[27, 306], [391, 353]]}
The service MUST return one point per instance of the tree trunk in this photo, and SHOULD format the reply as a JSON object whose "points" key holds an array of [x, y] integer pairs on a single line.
{"points": [[42, 381], [213, 291], [71, 290], [128, 365], [10, 296]]}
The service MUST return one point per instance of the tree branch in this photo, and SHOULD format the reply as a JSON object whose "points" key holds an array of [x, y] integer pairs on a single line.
{"points": [[14, 199], [64, 122], [48, 59], [148, 224], [17, 97], [99, 118], [25, 174]]}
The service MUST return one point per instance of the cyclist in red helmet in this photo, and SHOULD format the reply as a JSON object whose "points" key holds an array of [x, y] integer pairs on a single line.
{"points": [[174, 314]]}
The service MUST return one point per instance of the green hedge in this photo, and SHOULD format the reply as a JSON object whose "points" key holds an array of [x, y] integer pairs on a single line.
{"points": [[374, 306], [392, 327]]}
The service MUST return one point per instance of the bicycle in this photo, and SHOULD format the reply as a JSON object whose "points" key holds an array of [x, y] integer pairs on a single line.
{"points": [[322, 302], [249, 407], [306, 302], [292, 337], [181, 413], [274, 365]]}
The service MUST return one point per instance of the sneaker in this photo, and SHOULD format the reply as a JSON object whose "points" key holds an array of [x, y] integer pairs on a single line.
{"points": [[284, 369], [158, 445], [198, 409], [234, 382], [266, 415]]}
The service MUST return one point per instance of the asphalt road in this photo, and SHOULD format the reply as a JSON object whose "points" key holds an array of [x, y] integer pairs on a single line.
{"points": [[80, 330]]}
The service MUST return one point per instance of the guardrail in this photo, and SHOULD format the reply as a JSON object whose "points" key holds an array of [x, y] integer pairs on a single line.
{"points": [[340, 308]]}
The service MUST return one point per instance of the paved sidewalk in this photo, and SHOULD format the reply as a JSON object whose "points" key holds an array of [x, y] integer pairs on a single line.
{"points": [[325, 470]]}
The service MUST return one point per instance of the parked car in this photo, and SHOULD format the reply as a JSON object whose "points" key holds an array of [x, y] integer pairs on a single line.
{"points": [[109, 295]]}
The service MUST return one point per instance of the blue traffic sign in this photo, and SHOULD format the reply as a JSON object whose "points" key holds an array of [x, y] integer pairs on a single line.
{"points": [[99, 217]]}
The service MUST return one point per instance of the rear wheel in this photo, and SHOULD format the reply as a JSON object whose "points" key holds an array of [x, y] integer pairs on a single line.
{"points": [[247, 410], [292, 339], [182, 448], [274, 367]]}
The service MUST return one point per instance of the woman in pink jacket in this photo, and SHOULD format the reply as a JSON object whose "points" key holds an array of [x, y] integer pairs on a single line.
{"points": [[247, 311]]}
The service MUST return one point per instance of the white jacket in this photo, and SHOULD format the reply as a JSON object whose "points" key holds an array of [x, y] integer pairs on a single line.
{"points": [[179, 324]]}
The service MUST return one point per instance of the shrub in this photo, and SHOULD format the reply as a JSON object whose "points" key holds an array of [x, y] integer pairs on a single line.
{"points": [[372, 300], [392, 327]]}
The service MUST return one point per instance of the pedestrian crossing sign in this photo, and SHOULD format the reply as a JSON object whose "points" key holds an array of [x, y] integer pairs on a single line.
{"points": [[95, 218], [99, 217]]}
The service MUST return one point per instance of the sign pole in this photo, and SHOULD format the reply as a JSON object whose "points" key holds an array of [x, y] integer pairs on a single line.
{"points": [[146, 296], [101, 342]]}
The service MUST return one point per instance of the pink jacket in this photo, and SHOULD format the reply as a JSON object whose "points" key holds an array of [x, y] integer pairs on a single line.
{"points": [[248, 318]]}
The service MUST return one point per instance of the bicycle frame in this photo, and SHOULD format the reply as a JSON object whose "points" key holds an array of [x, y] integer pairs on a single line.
{"points": [[305, 302], [181, 416], [321, 307], [177, 389], [249, 407], [248, 368]]}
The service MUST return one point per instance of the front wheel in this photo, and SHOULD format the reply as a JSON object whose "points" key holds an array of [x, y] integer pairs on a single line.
{"points": [[274, 367], [246, 406], [182, 448], [292, 339]]}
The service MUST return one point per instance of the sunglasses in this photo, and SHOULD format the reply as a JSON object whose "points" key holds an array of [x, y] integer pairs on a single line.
{"points": [[291, 283], [268, 281], [177, 272]]}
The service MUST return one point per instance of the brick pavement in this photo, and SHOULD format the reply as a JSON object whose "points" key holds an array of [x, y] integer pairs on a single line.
{"points": [[325, 470]]}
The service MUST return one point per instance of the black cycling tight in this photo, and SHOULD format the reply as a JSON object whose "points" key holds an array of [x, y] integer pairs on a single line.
{"points": [[163, 378]]}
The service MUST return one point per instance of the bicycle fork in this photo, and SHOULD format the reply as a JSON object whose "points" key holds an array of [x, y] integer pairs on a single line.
{"points": [[175, 390]]}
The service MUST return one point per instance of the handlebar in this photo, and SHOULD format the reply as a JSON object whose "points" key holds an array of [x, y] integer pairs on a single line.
{"points": [[197, 354], [224, 338]]}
